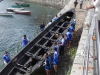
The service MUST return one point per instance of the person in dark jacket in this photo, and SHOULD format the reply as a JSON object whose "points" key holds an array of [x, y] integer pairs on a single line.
{"points": [[81, 3], [62, 45], [75, 3], [42, 26]]}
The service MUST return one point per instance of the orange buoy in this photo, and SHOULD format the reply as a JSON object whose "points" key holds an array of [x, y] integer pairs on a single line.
{"points": [[93, 38], [88, 25], [56, 36]]}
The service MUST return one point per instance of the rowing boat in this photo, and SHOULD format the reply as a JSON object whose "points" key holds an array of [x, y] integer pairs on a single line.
{"points": [[31, 57]]}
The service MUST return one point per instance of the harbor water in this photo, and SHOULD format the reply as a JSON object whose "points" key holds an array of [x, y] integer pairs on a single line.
{"points": [[12, 28]]}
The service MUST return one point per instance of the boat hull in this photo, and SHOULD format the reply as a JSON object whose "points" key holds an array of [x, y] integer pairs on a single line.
{"points": [[16, 6], [12, 9], [19, 2], [5, 13], [22, 4], [23, 12]]}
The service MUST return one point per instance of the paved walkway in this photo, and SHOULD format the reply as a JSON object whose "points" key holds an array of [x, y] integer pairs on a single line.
{"points": [[82, 18], [81, 14], [64, 61]]}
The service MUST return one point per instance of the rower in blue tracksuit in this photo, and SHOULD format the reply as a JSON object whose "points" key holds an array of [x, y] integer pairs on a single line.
{"points": [[57, 46], [74, 23], [69, 38], [47, 63], [25, 41], [71, 28], [55, 57], [55, 60], [6, 58]]}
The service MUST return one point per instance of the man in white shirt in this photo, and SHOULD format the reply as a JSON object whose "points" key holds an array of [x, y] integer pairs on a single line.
{"points": [[96, 5]]}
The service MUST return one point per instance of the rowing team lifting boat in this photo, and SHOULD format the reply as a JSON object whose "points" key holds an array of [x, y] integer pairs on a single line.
{"points": [[31, 57]]}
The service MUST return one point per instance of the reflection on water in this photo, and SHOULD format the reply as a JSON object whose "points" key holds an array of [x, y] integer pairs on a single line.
{"points": [[12, 28]]}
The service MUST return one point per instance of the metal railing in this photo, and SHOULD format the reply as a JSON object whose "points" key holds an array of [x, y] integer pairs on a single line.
{"points": [[94, 25], [98, 44], [87, 46], [86, 56]]}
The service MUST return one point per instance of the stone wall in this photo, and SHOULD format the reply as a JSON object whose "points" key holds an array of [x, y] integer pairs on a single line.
{"points": [[54, 3]]}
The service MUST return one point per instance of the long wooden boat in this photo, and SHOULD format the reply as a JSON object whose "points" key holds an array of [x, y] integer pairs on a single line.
{"points": [[12, 9], [31, 57], [22, 12]]}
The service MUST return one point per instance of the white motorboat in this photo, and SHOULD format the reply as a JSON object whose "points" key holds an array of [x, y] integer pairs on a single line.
{"points": [[12, 9], [22, 12], [6, 13]]}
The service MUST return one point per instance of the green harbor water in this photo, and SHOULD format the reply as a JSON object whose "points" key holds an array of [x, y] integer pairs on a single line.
{"points": [[12, 28]]}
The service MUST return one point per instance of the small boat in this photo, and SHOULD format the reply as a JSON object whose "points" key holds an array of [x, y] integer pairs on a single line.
{"points": [[5, 13], [22, 12], [16, 6], [12, 9], [1, 0], [19, 2], [23, 4]]}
